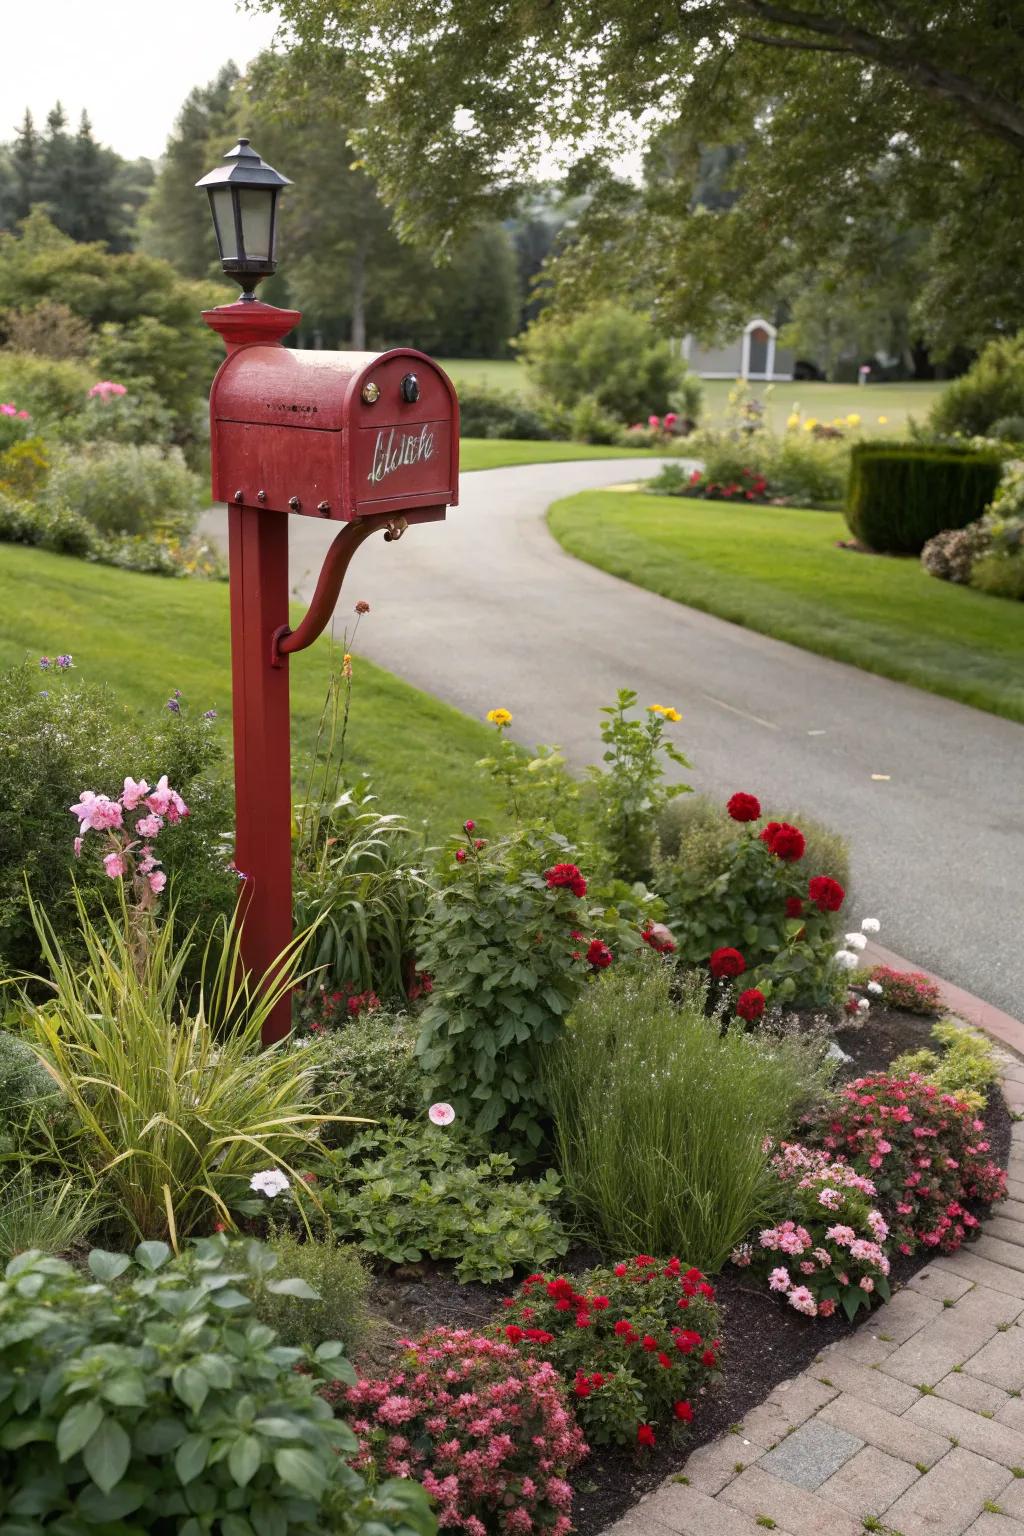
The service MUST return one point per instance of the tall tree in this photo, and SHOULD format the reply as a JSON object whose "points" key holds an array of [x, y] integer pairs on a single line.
{"points": [[846, 110]]}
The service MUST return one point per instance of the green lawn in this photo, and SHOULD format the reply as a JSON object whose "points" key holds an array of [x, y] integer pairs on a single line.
{"points": [[146, 635], [494, 452], [779, 571], [507, 375]]}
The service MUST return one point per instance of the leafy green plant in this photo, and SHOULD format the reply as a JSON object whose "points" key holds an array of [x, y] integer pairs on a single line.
{"points": [[613, 354], [900, 495], [27, 1091], [630, 788], [491, 413], [174, 1106], [406, 1194], [55, 528], [637, 1344], [368, 1068], [53, 1215], [964, 1065], [143, 1397], [124, 487], [498, 941], [993, 387], [660, 1118], [336, 1274]]}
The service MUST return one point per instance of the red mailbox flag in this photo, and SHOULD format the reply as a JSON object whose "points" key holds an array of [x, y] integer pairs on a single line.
{"points": [[371, 441]]}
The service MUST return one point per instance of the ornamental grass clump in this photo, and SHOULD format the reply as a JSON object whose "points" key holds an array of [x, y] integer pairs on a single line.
{"points": [[486, 1430], [660, 1117], [825, 1250], [636, 1343], [926, 1153]]}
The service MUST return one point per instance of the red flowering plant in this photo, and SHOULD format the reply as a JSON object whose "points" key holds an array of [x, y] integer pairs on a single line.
{"points": [[826, 1249], [925, 1151], [636, 1343], [760, 915], [321, 1009], [911, 990], [483, 1426]]}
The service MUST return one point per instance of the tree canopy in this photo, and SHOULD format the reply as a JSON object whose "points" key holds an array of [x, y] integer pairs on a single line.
{"points": [[848, 120]]}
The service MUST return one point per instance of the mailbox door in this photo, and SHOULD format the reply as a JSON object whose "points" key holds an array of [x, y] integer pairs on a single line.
{"points": [[402, 432]]}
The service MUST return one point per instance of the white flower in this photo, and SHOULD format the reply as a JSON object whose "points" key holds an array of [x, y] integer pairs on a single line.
{"points": [[855, 940], [270, 1183], [846, 959], [875, 987], [441, 1114], [871, 925], [863, 1005]]}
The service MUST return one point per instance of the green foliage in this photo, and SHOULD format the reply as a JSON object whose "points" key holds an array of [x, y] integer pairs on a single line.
{"points": [[146, 1396], [999, 575], [124, 488], [965, 1063], [496, 940], [991, 389], [723, 888], [900, 496], [27, 1092], [1008, 429], [808, 471], [24, 467], [59, 736], [590, 422], [406, 1193], [611, 355], [54, 528], [53, 1215], [368, 1068], [493, 413], [660, 1118], [174, 1106], [50, 389], [333, 1271], [630, 788]]}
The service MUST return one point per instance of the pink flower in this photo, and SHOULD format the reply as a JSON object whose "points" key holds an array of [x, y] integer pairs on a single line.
{"points": [[441, 1114], [78, 847], [97, 811], [778, 1280], [157, 882], [149, 826], [844, 1236], [166, 801], [826, 1307], [653, 421], [133, 793], [867, 1284], [801, 1298], [147, 861], [113, 863]]}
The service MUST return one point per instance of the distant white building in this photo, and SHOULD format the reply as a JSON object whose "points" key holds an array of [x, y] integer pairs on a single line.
{"points": [[754, 354]]}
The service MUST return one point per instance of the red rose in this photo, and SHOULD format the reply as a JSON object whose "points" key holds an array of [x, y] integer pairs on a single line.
{"points": [[645, 1435], [744, 807], [659, 938], [567, 875], [599, 954], [650, 1343], [826, 893], [684, 1412], [513, 1334], [582, 1387], [709, 1358], [794, 906], [599, 1303], [768, 831], [623, 1328], [727, 962], [750, 1004], [786, 842]]}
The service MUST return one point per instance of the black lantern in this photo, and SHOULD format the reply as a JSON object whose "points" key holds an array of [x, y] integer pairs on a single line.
{"points": [[243, 199]]}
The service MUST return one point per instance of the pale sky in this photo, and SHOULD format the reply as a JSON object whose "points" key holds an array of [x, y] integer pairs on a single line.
{"points": [[129, 63]]}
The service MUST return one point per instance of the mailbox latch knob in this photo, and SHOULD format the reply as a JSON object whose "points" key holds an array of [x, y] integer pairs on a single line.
{"points": [[324, 508], [410, 389], [371, 393], [238, 498], [261, 495], [294, 503]]}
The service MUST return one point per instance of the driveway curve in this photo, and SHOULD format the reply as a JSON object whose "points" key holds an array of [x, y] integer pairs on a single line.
{"points": [[487, 609]]}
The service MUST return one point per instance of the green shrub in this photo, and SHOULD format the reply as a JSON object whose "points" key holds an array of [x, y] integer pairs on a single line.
{"points": [[368, 1068], [964, 1064], [590, 422], [630, 788], [51, 527], [660, 1118], [808, 471], [338, 1276], [490, 413], [52, 1215], [496, 940], [51, 390], [1008, 429], [144, 1397], [999, 575], [27, 1092], [951, 555], [613, 354], [723, 888], [24, 468], [122, 488], [59, 736], [900, 496], [406, 1193], [993, 388]]}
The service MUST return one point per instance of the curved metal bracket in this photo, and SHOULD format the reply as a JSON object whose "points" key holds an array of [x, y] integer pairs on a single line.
{"points": [[286, 640]]}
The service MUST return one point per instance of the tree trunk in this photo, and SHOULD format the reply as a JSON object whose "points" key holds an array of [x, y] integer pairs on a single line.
{"points": [[358, 297]]}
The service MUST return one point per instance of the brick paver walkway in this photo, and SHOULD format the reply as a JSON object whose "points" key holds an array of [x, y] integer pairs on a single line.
{"points": [[913, 1425]]}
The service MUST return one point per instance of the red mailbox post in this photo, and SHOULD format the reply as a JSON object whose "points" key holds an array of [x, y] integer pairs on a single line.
{"points": [[368, 441]]}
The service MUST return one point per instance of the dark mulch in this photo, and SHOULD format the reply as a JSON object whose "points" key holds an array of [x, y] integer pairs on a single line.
{"points": [[765, 1341]]}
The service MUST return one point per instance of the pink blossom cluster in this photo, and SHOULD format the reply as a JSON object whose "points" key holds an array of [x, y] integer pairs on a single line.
{"points": [[484, 1429], [105, 389], [7, 409], [131, 847]]}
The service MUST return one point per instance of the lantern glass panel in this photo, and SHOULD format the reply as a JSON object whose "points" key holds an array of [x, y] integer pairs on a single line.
{"points": [[222, 203], [255, 205]]}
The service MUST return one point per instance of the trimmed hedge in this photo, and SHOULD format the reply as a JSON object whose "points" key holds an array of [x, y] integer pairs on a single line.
{"points": [[899, 496]]}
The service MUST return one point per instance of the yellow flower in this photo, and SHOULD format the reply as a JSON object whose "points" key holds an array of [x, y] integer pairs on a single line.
{"points": [[346, 665], [499, 717], [853, 420], [672, 714], [664, 709], [810, 423], [882, 420], [655, 709], [793, 419]]}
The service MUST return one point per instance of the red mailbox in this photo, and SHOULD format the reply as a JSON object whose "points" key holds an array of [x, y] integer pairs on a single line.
{"points": [[369, 441]]}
